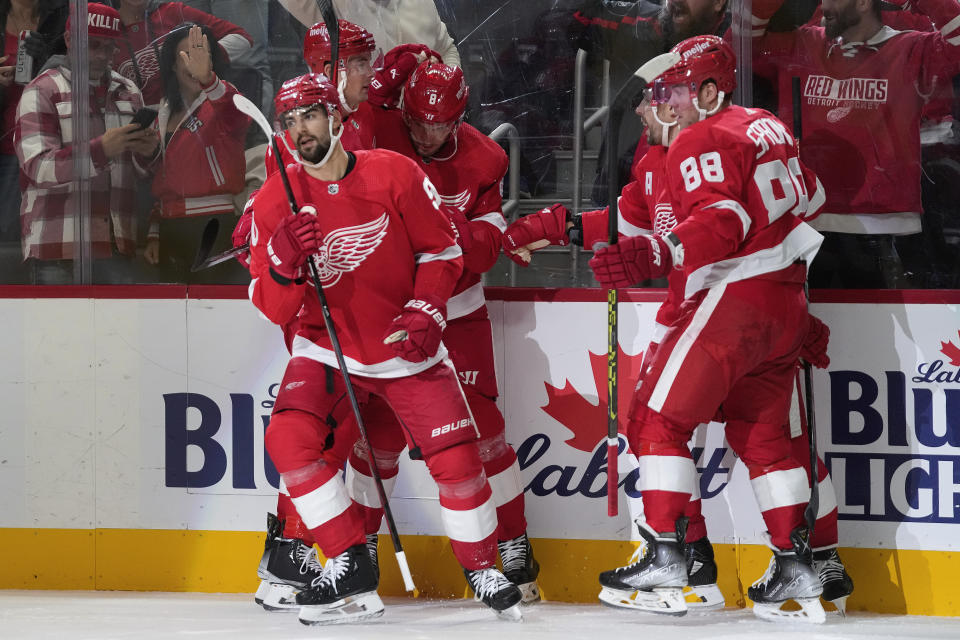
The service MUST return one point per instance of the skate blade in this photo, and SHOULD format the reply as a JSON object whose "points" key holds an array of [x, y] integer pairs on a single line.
{"points": [[280, 597], [841, 605], [704, 597], [513, 614], [262, 590], [811, 611], [665, 601], [363, 606], [530, 592]]}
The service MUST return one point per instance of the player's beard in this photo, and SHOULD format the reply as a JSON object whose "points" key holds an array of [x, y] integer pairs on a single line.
{"points": [[316, 153], [837, 22]]}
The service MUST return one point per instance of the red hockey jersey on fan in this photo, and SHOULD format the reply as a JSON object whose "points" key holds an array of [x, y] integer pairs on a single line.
{"points": [[740, 195], [385, 243], [469, 181], [138, 50], [862, 104]]}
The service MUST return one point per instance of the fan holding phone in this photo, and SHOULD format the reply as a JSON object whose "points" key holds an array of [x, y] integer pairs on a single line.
{"points": [[201, 165]]}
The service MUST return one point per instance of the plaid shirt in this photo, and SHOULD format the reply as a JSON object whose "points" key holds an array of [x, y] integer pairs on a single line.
{"points": [[43, 139]]}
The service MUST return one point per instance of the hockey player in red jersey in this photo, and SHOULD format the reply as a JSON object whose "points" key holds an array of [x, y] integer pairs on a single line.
{"points": [[388, 261], [284, 571], [740, 195], [467, 169], [645, 209]]}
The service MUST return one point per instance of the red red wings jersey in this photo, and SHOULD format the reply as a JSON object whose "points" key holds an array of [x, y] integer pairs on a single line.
{"points": [[740, 194], [643, 208], [639, 209], [386, 242], [469, 181], [862, 104]]}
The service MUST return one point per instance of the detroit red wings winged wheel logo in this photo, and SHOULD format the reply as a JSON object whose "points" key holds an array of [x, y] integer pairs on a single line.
{"points": [[346, 248]]}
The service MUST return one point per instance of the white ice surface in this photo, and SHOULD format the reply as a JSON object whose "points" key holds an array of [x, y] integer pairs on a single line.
{"points": [[108, 615]]}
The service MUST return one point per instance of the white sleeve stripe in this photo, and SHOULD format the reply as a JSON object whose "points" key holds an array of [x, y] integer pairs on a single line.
{"points": [[737, 208], [759, 22], [757, 33], [495, 218], [817, 201], [950, 26], [450, 253], [216, 90], [629, 229]]}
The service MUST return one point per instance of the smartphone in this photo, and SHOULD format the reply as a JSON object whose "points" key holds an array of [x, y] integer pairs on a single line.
{"points": [[144, 117]]}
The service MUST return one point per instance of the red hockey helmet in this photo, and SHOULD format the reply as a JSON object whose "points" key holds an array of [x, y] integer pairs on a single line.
{"points": [[306, 91], [703, 58], [435, 93], [354, 40]]}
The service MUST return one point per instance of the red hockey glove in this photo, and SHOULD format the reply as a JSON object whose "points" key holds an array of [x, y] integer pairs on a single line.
{"points": [[415, 334], [549, 224], [462, 226], [294, 239], [814, 349], [398, 64], [631, 260], [241, 236]]}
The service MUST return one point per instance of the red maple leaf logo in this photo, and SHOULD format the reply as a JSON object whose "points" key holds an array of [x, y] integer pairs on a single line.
{"points": [[951, 351], [588, 421]]}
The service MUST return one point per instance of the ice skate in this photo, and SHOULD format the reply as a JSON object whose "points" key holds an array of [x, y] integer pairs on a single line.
{"points": [[837, 583], [654, 579], [346, 591], [520, 567], [494, 590], [372, 541], [702, 593], [789, 576], [274, 535], [292, 566]]}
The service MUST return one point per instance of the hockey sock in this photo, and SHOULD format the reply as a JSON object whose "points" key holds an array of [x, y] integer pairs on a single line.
{"points": [[503, 473], [466, 505], [362, 487]]}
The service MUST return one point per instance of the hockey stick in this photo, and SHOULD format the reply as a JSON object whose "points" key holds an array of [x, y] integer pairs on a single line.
{"points": [[333, 30], [220, 257], [636, 83], [207, 239], [246, 106], [813, 506]]}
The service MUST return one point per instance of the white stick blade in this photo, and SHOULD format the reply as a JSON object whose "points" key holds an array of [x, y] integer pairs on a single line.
{"points": [[405, 571], [244, 105], [657, 65]]}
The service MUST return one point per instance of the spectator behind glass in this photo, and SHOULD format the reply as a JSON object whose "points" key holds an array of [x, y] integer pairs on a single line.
{"points": [[201, 164], [43, 139], [45, 20], [392, 23], [864, 87], [147, 22], [250, 71]]}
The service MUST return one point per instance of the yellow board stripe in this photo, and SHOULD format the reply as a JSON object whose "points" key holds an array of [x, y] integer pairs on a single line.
{"points": [[887, 580]]}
